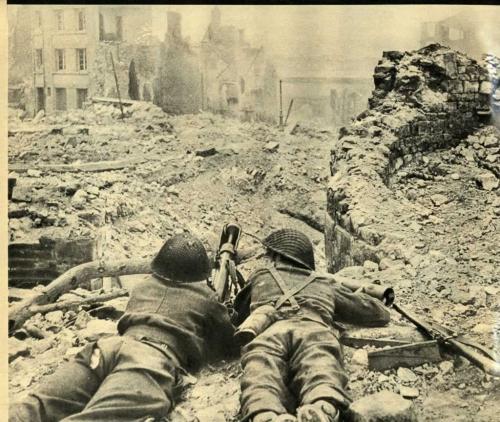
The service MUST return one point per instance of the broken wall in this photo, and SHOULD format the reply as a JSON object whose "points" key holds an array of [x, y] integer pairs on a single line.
{"points": [[423, 100], [177, 87], [102, 78]]}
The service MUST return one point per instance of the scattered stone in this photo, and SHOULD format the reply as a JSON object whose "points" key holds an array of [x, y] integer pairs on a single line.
{"points": [[17, 348], [406, 375], [386, 263], [487, 181], [455, 176], [205, 152], [439, 199], [482, 329], [370, 266], [384, 406], [360, 357], [79, 199], [446, 366], [408, 392], [82, 319], [55, 317], [33, 173], [271, 146]]}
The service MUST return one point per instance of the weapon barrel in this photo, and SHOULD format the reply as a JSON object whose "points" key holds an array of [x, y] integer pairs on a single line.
{"points": [[378, 291]]}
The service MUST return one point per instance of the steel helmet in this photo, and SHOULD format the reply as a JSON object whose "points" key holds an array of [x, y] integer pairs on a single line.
{"points": [[293, 245], [182, 258]]}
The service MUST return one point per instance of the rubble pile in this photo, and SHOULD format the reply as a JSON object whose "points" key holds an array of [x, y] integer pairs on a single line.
{"points": [[423, 100], [413, 202]]}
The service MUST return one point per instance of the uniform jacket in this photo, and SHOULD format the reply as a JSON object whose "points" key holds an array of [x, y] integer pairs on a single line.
{"points": [[325, 298], [185, 316]]}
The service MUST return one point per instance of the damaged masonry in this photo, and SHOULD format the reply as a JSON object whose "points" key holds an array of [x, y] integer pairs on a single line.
{"points": [[120, 139]]}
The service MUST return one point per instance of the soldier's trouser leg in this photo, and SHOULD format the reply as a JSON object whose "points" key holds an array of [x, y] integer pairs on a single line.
{"points": [[117, 378], [265, 372], [140, 385], [317, 364]]}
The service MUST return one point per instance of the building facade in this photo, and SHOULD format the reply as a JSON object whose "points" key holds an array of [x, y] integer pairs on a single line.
{"points": [[72, 47]]}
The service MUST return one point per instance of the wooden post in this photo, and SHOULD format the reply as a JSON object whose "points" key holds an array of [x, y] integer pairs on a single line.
{"points": [[281, 106], [289, 110], [117, 86]]}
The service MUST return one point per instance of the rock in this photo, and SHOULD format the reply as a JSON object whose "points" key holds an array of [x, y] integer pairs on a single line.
{"points": [[98, 328], [455, 176], [17, 348], [55, 317], [33, 173], [271, 146], [370, 266], [491, 158], [93, 190], [386, 263], [408, 392], [205, 152], [439, 199], [82, 320], [406, 375], [487, 181], [79, 199], [491, 290], [446, 366], [491, 142], [211, 414], [384, 406], [360, 357], [483, 329]]}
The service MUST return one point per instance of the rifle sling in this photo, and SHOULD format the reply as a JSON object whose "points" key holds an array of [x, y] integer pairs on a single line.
{"points": [[288, 295]]}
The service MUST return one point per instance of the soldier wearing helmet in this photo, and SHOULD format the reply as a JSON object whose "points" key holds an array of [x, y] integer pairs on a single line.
{"points": [[292, 359], [172, 323]]}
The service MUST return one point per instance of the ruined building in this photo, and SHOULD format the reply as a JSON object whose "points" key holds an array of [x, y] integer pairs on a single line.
{"points": [[72, 48], [468, 32], [177, 86], [236, 78]]}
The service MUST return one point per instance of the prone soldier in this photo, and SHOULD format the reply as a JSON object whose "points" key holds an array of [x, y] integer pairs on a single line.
{"points": [[173, 323], [292, 359]]}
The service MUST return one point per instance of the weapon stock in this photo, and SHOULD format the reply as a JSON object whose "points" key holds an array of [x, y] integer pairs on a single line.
{"points": [[225, 268]]}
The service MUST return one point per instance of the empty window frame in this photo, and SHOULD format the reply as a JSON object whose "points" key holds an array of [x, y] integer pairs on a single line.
{"points": [[81, 59], [81, 23], [38, 58], [60, 59], [59, 15]]}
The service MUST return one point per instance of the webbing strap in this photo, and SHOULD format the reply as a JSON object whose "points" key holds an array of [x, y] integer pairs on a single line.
{"points": [[288, 295], [291, 293], [282, 285]]}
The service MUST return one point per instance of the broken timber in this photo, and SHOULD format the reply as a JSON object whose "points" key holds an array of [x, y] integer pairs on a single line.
{"points": [[68, 304], [72, 278], [83, 167], [408, 355]]}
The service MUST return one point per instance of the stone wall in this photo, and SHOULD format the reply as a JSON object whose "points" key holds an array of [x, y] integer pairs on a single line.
{"points": [[423, 100]]}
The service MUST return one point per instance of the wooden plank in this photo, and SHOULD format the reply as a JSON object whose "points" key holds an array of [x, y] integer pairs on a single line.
{"points": [[358, 342], [82, 167], [407, 355]]}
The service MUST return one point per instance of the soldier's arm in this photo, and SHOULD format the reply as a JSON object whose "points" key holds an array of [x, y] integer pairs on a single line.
{"points": [[221, 330], [359, 308]]}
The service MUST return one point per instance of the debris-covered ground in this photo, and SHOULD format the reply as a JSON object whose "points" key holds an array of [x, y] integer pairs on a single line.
{"points": [[199, 172]]}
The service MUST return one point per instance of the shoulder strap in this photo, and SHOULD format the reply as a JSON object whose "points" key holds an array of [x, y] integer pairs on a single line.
{"points": [[282, 285], [289, 295]]}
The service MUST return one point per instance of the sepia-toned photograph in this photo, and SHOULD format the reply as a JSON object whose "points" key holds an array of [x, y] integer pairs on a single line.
{"points": [[251, 213]]}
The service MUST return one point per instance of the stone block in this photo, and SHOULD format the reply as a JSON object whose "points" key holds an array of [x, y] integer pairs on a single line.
{"points": [[384, 406]]}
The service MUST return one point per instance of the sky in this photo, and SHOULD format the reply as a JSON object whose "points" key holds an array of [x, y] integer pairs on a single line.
{"points": [[324, 30]]}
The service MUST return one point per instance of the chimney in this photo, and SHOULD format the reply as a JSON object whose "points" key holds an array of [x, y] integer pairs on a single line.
{"points": [[174, 25]]}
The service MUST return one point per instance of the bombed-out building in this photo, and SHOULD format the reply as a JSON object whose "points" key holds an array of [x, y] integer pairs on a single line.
{"points": [[75, 48], [236, 78]]}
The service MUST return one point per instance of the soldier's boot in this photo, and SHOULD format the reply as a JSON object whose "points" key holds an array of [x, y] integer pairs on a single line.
{"points": [[273, 417], [285, 417], [319, 411]]}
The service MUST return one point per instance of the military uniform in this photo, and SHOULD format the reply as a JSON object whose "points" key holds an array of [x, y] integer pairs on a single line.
{"points": [[168, 327], [298, 358]]}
